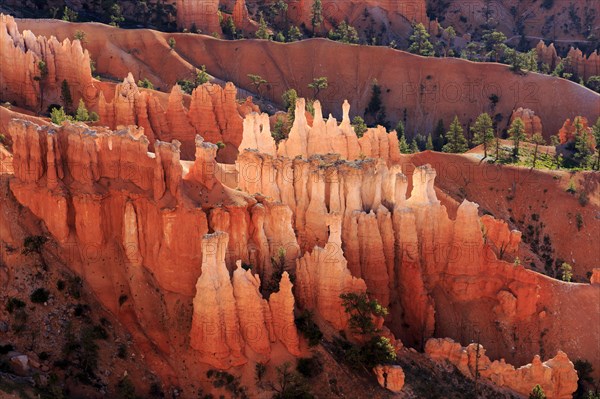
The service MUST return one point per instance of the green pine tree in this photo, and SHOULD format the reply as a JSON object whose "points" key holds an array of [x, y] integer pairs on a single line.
{"points": [[483, 132], [429, 145], [316, 18], [583, 143], [359, 126], [414, 147], [419, 41], [457, 143], [537, 393], [403, 144], [517, 134], [82, 114], [263, 30]]}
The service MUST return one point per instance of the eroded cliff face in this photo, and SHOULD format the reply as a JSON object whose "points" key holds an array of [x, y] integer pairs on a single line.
{"points": [[86, 183], [33, 68], [556, 376]]}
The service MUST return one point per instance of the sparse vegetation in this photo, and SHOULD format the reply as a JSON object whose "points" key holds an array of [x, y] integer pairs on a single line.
{"points": [[308, 328], [456, 141], [40, 295], [33, 244], [567, 272], [318, 84]]}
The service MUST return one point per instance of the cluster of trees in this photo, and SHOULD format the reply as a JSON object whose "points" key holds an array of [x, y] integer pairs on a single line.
{"points": [[61, 113]]}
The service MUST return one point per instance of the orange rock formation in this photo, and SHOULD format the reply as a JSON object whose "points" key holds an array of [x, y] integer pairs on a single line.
{"points": [[213, 113], [557, 376], [23, 81], [575, 62], [322, 137], [533, 123], [390, 377]]}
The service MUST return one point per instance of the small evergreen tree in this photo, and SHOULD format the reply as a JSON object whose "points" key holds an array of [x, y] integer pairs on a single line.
{"points": [[583, 143], [517, 134], [229, 28], [79, 35], [69, 15], [263, 30], [316, 18], [172, 42], [116, 17], [257, 82], [457, 143], [65, 95], [146, 84], [537, 393], [318, 84], [537, 139], [567, 272], [201, 76], [294, 34], [359, 126], [403, 144], [555, 142], [419, 41], [429, 145], [362, 310], [483, 132], [82, 114], [344, 33], [58, 116], [414, 147]]}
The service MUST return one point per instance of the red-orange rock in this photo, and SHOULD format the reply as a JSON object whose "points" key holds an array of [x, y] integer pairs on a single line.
{"points": [[568, 131], [595, 279], [322, 276], [215, 331], [390, 377], [22, 80], [557, 376], [213, 114], [282, 309], [533, 123]]}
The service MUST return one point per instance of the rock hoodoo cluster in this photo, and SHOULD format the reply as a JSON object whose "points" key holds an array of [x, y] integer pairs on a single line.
{"points": [[144, 210], [575, 61], [33, 68], [557, 376], [213, 112], [322, 137]]}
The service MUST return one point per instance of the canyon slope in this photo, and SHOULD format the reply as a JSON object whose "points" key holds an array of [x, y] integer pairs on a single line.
{"points": [[206, 242], [428, 89]]}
